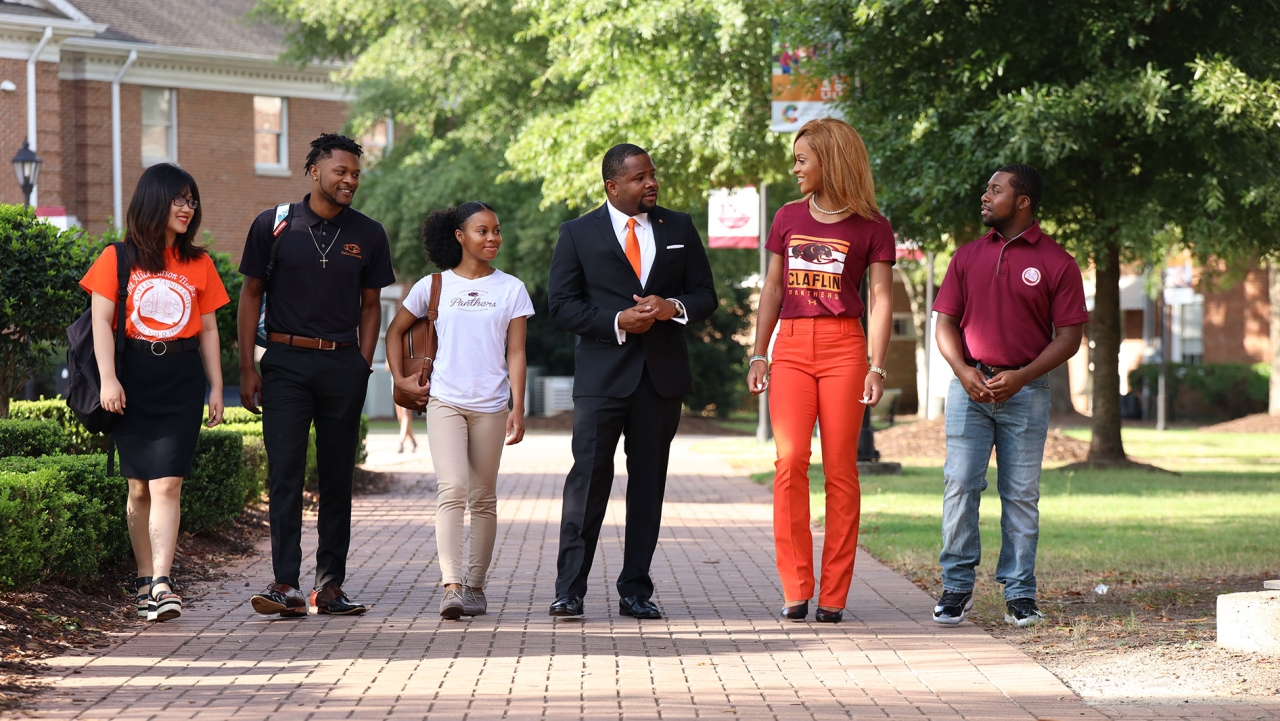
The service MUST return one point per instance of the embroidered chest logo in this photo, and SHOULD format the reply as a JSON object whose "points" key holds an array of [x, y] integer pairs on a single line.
{"points": [[352, 250], [1031, 276]]}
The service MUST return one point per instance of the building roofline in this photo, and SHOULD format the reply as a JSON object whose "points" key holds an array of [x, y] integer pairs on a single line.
{"points": [[166, 52], [73, 28]]}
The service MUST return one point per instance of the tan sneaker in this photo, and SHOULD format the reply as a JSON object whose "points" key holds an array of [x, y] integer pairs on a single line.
{"points": [[473, 602]]}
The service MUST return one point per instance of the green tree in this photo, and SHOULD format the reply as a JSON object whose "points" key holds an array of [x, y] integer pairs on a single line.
{"points": [[515, 103], [1142, 116], [40, 294]]}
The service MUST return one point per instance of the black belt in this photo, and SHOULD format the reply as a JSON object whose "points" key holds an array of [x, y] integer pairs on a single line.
{"points": [[993, 370], [161, 347]]}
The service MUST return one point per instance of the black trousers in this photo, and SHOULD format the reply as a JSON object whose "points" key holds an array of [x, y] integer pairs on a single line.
{"points": [[649, 422], [301, 386]]}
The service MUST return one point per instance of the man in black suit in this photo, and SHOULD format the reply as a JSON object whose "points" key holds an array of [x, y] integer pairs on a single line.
{"points": [[626, 279]]}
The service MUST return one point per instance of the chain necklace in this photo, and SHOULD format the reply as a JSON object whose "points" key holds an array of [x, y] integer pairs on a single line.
{"points": [[814, 202], [324, 261]]}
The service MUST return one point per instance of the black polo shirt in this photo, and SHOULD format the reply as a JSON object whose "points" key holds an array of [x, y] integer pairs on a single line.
{"points": [[313, 299]]}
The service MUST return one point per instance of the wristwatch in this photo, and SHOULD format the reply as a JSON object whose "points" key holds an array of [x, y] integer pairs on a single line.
{"points": [[884, 374]]}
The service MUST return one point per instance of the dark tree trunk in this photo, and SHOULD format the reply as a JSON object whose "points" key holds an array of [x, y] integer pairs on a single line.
{"points": [[1104, 330], [1060, 406]]}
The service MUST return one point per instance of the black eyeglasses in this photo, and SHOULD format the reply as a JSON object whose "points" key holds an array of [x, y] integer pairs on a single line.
{"points": [[189, 202]]}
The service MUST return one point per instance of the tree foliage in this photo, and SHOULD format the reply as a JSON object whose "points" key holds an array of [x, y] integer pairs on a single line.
{"points": [[1142, 116], [515, 102], [40, 294]]}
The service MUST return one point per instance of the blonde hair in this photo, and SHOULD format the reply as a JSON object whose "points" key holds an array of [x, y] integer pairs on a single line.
{"points": [[846, 168]]}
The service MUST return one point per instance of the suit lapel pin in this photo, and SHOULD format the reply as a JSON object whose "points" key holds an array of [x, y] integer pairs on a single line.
{"points": [[659, 221]]}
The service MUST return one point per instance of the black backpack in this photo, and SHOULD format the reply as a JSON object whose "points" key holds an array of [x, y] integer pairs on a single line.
{"points": [[84, 389], [284, 215]]}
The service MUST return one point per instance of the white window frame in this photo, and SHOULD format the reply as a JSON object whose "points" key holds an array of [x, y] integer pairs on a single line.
{"points": [[911, 323], [280, 169], [172, 135], [389, 124]]}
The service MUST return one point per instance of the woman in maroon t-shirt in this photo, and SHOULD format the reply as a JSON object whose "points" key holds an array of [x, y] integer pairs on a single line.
{"points": [[822, 245]]}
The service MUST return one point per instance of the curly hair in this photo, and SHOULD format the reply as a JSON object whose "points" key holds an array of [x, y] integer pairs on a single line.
{"points": [[1026, 181], [323, 147], [438, 232]]}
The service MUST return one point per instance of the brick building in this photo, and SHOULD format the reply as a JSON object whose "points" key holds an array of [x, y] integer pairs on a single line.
{"points": [[199, 85]]}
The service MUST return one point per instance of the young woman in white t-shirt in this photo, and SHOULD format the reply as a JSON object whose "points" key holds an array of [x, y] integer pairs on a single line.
{"points": [[480, 363]]}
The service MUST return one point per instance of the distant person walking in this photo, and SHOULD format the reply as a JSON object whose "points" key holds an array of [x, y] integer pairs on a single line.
{"points": [[329, 265], [822, 246], [625, 279], [159, 389], [480, 363], [1004, 297]]}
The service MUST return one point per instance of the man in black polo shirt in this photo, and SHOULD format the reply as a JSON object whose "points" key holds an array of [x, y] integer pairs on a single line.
{"points": [[323, 314]]}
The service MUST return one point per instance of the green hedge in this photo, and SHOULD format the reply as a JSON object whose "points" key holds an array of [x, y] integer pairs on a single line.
{"points": [[87, 476], [37, 535], [214, 493], [1208, 391], [79, 440], [30, 438]]}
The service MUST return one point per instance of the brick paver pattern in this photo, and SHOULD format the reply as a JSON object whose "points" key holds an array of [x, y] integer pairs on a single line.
{"points": [[720, 652]]}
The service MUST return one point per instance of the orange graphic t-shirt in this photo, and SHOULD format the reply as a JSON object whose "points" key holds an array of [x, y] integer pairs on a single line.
{"points": [[161, 306]]}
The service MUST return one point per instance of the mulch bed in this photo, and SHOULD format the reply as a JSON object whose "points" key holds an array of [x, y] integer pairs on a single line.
{"points": [[689, 425], [1256, 423], [53, 619], [928, 439]]}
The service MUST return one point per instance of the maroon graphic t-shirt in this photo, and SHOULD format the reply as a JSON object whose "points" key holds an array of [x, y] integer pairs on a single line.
{"points": [[825, 262]]}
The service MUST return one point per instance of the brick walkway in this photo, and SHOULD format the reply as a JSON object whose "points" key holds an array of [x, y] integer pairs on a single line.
{"points": [[721, 652]]}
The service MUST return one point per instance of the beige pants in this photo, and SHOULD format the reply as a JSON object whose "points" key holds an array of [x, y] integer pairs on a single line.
{"points": [[466, 447]]}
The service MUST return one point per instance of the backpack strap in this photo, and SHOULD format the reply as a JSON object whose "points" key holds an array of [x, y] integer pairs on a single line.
{"points": [[284, 215], [123, 270], [433, 304]]}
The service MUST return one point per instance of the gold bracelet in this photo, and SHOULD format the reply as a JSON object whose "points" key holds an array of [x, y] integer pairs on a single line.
{"points": [[884, 375]]}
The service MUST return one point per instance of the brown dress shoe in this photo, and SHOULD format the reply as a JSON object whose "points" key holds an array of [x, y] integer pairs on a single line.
{"points": [[332, 601], [280, 598]]}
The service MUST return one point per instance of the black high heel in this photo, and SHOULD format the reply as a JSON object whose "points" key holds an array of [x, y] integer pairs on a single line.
{"points": [[822, 615], [797, 612]]}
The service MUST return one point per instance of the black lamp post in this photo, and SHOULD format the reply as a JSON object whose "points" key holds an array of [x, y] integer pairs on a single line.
{"points": [[26, 165]]}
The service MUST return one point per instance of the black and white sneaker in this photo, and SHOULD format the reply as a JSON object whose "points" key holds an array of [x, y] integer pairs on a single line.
{"points": [[1023, 612], [952, 607]]}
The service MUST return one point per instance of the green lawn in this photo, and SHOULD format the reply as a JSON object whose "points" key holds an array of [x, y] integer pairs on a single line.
{"points": [[1192, 450]]}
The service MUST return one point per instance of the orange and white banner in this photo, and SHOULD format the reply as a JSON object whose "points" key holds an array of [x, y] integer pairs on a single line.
{"points": [[797, 99]]}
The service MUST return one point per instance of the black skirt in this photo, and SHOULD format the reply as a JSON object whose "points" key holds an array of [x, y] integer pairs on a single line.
{"points": [[164, 404]]}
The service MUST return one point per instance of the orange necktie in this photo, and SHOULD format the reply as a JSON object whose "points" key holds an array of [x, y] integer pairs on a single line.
{"points": [[633, 246]]}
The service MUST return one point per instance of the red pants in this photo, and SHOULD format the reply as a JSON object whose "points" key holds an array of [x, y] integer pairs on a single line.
{"points": [[819, 373]]}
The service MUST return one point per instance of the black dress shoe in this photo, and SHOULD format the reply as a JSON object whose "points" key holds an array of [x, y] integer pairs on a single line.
{"points": [[329, 599], [796, 612], [822, 615], [567, 605], [637, 607]]}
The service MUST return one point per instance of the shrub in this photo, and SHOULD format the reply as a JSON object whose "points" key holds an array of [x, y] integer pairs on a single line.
{"points": [[239, 414], [34, 510], [254, 476], [214, 493], [79, 440], [87, 477], [30, 438], [1208, 391]]}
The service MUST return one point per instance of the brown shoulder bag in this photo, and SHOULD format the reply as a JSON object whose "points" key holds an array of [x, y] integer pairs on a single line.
{"points": [[420, 344]]}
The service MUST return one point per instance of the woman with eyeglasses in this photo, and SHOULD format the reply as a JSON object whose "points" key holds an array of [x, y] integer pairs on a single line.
{"points": [[171, 348]]}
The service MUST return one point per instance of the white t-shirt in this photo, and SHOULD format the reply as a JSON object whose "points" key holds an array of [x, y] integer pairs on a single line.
{"points": [[471, 363]]}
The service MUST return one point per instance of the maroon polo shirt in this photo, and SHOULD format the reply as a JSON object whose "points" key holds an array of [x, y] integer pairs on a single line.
{"points": [[1009, 296]]}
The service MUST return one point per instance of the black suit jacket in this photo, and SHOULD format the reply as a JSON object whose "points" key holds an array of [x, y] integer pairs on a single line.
{"points": [[592, 281]]}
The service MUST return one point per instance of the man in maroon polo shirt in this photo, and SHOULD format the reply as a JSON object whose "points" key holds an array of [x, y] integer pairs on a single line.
{"points": [[1004, 296]]}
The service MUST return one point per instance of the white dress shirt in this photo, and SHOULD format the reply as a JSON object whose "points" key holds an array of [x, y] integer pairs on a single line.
{"points": [[644, 234]]}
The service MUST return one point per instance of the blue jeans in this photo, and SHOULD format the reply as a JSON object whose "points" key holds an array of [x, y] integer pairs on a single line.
{"points": [[1017, 429]]}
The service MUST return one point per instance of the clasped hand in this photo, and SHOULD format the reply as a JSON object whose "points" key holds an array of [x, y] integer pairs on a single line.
{"points": [[1000, 388], [647, 310]]}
